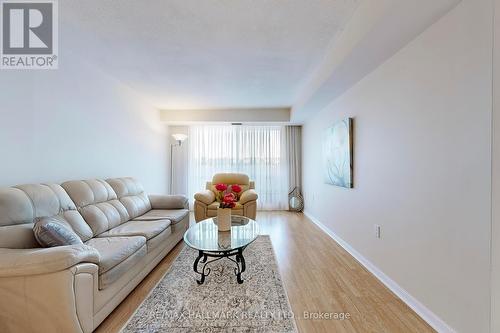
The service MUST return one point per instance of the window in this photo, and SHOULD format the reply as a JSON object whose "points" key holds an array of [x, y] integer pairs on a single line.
{"points": [[254, 150]]}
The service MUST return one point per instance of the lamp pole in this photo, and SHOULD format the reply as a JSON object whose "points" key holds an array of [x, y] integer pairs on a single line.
{"points": [[178, 142]]}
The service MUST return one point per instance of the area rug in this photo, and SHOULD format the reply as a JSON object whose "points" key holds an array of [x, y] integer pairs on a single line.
{"points": [[178, 304]]}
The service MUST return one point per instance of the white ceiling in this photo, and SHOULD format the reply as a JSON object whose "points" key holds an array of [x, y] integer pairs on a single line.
{"points": [[206, 54]]}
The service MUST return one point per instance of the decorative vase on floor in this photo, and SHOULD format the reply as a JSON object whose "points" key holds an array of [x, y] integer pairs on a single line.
{"points": [[224, 219]]}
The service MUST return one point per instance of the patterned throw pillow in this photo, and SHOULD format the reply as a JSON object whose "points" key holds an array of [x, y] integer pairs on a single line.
{"points": [[54, 231]]}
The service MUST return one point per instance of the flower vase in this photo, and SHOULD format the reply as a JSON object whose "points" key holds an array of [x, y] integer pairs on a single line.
{"points": [[224, 219]]}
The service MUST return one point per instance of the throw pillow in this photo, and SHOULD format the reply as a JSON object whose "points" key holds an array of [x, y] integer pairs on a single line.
{"points": [[54, 231]]}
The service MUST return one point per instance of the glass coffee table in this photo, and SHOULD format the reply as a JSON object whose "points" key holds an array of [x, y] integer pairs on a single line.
{"points": [[210, 242]]}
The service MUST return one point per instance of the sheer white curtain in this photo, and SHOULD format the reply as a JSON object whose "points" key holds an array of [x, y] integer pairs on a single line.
{"points": [[257, 151]]}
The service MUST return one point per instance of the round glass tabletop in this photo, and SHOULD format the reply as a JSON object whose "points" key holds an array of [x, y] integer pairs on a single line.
{"points": [[205, 235]]}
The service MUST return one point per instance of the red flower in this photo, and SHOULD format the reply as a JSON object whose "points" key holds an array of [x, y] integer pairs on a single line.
{"points": [[228, 201], [228, 198], [236, 188], [221, 187]]}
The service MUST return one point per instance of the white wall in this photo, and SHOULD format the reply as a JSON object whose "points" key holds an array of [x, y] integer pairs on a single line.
{"points": [[77, 123], [422, 167]]}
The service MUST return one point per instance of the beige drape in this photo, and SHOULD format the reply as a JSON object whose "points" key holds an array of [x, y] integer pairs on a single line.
{"points": [[293, 156]]}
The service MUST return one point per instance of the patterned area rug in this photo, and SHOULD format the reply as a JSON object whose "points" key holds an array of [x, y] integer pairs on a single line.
{"points": [[178, 304]]}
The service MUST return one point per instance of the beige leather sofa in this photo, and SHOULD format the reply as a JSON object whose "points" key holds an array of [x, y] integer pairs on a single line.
{"points": [[73, 288], [205, 204]]}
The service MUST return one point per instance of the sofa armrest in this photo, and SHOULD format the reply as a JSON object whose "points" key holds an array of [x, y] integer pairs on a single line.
{"points": [[206, 196], [168, 201], [22, 262], [247, 196]]}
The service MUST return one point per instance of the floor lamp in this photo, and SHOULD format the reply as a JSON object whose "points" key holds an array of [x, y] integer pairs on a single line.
{"points": [[179, 138]]}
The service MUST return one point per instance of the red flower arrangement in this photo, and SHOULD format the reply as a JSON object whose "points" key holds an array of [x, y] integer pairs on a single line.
{"points": [[221, 187], [227, 195], [236, 188], [229, 201]]}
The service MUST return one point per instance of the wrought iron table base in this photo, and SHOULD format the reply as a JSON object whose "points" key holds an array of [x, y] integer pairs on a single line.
{"points": [[203, 256]]}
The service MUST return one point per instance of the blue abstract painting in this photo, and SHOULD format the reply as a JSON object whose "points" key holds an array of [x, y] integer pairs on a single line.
{"points": [[337, 154]]}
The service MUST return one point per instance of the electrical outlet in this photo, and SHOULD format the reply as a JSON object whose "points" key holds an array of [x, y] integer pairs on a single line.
{"points": [[376, 229]]}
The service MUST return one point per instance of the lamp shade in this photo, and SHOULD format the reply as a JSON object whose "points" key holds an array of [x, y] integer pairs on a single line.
{"points": [[179, 137]]}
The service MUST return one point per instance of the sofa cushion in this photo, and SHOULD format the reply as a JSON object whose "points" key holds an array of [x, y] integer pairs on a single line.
{"points": [[54, 231], [131, 194], [147, 229], [98, 204], [160, 239], [174, 215], [117, 255]]}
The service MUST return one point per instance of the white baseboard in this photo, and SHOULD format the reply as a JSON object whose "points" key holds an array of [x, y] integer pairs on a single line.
{"points": [[437, 323]]}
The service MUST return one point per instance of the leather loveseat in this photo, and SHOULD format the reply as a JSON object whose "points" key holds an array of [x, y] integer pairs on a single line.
{"points": [[74, 288], [205, 204]]}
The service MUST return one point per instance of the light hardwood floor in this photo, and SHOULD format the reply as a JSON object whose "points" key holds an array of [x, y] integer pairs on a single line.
{"points": [[319, 277]]}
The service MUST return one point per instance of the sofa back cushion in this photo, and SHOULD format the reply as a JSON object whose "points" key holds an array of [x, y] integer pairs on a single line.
{"points": [[98, 204], [131, 194], [21, 205]]}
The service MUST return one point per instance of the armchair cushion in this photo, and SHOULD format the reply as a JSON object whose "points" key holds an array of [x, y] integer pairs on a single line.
{"points": [[206, 196], [216, 205], [168, 201], [248, 196], [54, 231], [21, 262]]}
